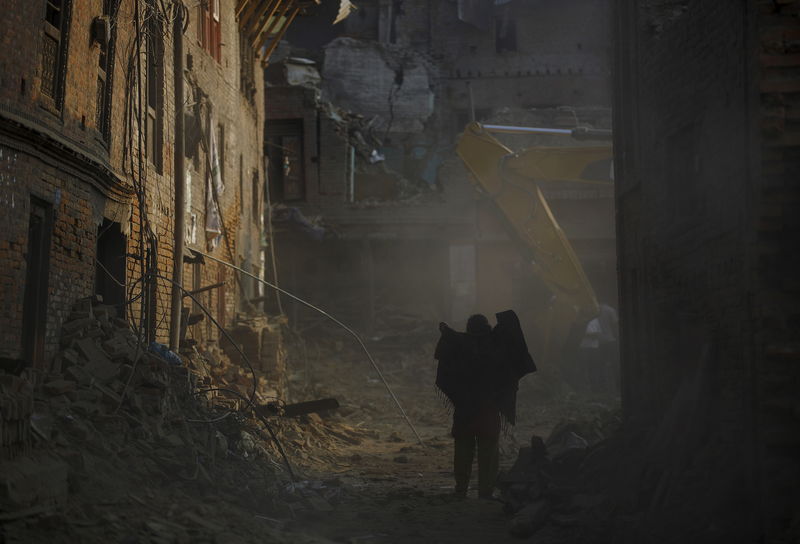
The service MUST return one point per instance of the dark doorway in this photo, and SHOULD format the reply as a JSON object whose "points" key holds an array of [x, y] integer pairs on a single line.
{"points": [[34, 316], [284, 147], [110, 265]]}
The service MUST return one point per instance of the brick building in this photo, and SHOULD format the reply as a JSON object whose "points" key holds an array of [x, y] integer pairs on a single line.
{"points": [[87, 151], [706, 97], [411, 224]]}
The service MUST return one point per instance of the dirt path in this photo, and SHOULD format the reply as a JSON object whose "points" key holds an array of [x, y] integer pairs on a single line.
{"points": [[172, 473], [387, 488]]}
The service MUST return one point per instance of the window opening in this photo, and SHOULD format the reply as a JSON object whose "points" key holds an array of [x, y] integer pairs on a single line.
{"points": [[209, 31], [37, 274], [247, 79], [155, 85], [54, 50], [285, 151], [111, 265], [221, 151], [105, 71], [256, 196], [505, 32]]}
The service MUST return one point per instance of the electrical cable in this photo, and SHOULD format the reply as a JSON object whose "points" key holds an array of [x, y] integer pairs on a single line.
{"points": [[330, 317], [251, 400], [265, 423], [222, 330]]}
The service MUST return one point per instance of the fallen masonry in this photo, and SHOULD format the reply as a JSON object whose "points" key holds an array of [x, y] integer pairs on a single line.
{"points": [[115, 435]]}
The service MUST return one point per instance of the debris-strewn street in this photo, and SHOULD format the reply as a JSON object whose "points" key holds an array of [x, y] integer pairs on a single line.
{"points": [[400, 271], [125, 451]]}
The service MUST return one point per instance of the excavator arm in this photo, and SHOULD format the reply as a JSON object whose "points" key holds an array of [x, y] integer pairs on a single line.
{"points": [[511, 181]]}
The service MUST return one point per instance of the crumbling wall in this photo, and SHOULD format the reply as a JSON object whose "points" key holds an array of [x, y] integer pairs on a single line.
{"points": [[225, 109], [86, 174], [378, 80]]}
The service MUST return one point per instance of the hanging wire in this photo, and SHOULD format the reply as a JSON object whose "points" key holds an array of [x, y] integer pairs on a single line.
{"points": [[330, 317]]}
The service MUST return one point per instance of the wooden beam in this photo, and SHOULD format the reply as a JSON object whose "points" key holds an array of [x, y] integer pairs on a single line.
{"points": [[240, 6], [279, 37], [273, 24], [255, 6], [204, 289], [269, 22], [258, 23]]}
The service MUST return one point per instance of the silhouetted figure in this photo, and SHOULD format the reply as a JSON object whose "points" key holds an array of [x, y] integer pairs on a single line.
{"points": [[479, 372]]}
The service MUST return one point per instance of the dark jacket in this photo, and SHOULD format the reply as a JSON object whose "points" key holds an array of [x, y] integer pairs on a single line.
{"points": [[479, 374]]}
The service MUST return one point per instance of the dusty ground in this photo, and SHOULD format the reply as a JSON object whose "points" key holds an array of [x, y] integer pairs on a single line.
{"points": [[361, 476], [388, 487]]}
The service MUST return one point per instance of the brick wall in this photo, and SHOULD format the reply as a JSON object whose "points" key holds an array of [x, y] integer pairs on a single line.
{"points": [[62, 158]]}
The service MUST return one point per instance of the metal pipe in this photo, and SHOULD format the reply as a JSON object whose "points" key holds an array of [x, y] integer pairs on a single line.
{"points": [[342, 325], [506, 129], [579, 133], [179, 179]]}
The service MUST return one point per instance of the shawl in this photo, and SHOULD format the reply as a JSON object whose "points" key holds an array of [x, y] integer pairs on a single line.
{"points": [[475, 369]]}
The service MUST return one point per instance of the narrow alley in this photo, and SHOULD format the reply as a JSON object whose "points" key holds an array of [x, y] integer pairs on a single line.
{"points": [[400, 271]]}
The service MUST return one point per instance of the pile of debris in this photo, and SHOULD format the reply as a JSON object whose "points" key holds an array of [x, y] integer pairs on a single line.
{"points": [[543, 484], [103, 364], [120, 433]]}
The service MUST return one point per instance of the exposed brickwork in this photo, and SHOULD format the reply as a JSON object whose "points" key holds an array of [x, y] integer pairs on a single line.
{"points": [[63, 159]]}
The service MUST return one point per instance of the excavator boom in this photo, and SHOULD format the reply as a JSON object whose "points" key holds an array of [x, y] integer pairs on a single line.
{"points": [[511, 181]]}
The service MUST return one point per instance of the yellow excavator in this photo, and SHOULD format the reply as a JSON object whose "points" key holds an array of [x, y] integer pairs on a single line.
{"points": [[512, 181]]}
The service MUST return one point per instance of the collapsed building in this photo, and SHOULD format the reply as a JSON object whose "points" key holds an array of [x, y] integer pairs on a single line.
{"points": [[405, 233]]}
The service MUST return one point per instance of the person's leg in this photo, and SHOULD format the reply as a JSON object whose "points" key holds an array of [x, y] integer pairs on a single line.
{"points": [[462, 463], [488, 464]]}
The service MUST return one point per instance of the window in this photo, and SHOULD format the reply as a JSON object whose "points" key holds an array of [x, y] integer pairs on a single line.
{"points": [[105, 70], [54, 50], [256, 196], [505, 31], [110, 265], [247, 80], [37, 275], [285, 151], [209, 32], [221, 151], [155, 85]]}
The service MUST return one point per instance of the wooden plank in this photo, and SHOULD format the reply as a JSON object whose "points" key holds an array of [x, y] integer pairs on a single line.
{"points": [[273, 20]]}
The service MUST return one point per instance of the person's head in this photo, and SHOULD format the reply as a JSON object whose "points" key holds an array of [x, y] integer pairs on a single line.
{"points": [[478, 324]]}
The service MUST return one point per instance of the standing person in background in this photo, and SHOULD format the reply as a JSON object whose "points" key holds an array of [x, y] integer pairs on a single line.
{"points": [[478, 373], [591, 367], [608, 351]]}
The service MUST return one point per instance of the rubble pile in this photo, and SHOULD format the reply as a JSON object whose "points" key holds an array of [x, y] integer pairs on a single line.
{"points": [[103, 365], [260, 338], [121, 434], [546, 484]]}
